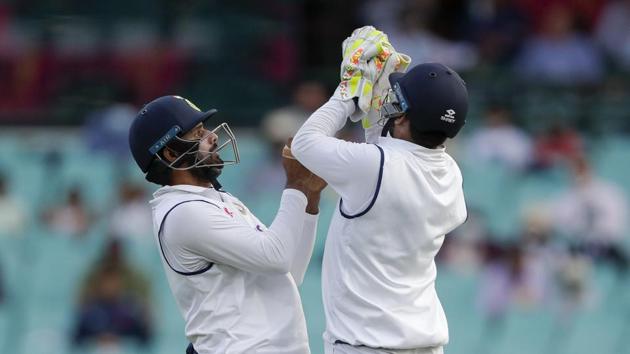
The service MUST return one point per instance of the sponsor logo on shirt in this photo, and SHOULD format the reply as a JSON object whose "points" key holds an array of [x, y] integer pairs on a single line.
{"points": [[241, 209]]}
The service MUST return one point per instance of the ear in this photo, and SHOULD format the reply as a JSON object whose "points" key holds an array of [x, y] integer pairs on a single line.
{"points": [[402, 121], [169, 154], [402, 128]]}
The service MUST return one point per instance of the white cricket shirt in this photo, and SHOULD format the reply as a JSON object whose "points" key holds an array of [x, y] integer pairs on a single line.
{"points": [[398, 200], [234, 280]]}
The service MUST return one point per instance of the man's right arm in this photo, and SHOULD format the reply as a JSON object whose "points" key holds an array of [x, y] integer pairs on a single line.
{"points": [[204, 230]]}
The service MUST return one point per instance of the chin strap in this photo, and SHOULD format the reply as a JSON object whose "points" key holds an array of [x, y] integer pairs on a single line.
{"points": [[216, 184], [388, 127]]}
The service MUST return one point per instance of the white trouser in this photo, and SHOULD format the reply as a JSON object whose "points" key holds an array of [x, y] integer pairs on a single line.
{"points": [[349, 349]]}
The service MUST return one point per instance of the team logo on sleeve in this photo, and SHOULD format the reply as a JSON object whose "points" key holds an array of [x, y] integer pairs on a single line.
{"points": [[227, 211]]}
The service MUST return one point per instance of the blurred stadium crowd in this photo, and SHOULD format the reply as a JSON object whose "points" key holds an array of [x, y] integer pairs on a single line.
{"points": [[541, 265]]}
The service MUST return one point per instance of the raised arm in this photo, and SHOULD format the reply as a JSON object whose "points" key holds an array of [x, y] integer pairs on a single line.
{"points": [[314, 186], [204, 230], [351, 169], [304, 252]]}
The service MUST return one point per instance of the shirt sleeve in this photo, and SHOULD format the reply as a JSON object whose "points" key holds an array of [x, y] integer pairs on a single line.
{"points": [[305, 250], [351, 169], [199, 229]]}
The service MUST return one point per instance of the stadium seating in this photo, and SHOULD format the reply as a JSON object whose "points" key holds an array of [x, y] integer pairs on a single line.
{"points": [[43, 270]]}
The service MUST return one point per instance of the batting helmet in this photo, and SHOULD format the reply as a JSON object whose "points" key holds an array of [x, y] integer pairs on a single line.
{"points": [[432, 96], [158, 122]]}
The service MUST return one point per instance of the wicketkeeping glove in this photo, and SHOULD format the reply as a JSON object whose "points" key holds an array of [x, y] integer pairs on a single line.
{"points": [[368, 59], [387, 62], [364, 43]]}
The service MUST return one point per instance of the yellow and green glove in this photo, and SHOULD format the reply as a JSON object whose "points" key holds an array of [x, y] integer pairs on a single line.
{"points": [[368, 59], [364, 44], [387, 62]]}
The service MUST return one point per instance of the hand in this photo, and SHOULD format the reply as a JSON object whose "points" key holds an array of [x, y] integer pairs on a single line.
{"points": [[388, 62], [368, 59], [298, 176], [364, 44]]}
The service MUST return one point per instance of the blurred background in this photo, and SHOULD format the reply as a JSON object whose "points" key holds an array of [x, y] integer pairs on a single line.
{"points": [[541, 266]]}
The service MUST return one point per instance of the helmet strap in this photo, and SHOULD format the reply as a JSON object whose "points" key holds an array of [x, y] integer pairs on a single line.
{"points": [[388, 127], [216, 184]]}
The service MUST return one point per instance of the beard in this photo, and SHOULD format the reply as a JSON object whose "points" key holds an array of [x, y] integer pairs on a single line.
{"points": [[204, 155], [206, 173]]}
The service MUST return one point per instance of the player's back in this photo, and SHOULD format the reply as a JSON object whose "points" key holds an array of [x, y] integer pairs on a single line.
{"points": [[379, 269]]}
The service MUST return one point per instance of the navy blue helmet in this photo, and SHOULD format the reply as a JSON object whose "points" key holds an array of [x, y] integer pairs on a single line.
{"points": [[160, 121], [432, 96]]}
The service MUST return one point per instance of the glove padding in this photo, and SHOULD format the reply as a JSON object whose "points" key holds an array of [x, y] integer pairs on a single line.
{"points": [[364, 44], [386, 63], [368, 59]]}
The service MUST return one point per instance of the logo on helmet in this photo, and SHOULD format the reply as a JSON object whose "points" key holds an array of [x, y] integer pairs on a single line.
{"points": [[401, 98], [449, 117], [158, 145], [192, 105]]}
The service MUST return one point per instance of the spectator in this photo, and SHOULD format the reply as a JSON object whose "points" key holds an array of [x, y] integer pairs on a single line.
{"points": [[281, 124], [613, 31], [106, 130], [513, 274], [12, 213], [382, 14], [538, 259], [573, 281], [131, 218], [498, 28], [561, 143], [586, 12], [518, 273], [496, 283], [416, 37], [500, 141], [462, 248], [558, 54], [114, 303], [72, 218], [592, 213], [27, 69]]}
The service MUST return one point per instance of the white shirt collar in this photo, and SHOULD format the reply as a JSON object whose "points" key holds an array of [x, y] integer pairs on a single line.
{"points": [[206, 192], [407, 145]]}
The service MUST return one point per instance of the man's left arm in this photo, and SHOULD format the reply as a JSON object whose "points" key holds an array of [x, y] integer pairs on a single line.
{"points": [[351, 169], [303, 254]]}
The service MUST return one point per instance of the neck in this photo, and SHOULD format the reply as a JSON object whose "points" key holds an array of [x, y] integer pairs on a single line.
{"points": [[403, 136], [184, 177]]}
